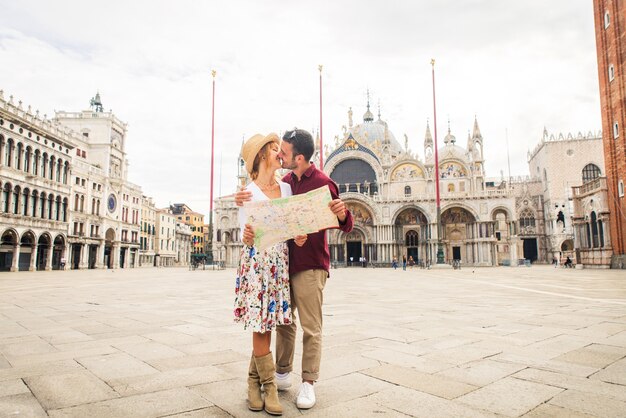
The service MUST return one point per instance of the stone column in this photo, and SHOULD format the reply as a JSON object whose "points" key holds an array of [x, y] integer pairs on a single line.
{"points": [[49, 258], [16, 258], [606, 231], [33, 258], [513, 251], [84, 256], [115, 256], [100, 256], [66, 255]]}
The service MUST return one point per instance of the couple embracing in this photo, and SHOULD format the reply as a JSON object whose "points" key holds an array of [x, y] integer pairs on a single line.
{"points": [[288, 278]]}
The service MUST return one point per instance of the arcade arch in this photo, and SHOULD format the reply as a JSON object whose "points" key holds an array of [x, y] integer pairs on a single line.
{"points": [[412, 232]]}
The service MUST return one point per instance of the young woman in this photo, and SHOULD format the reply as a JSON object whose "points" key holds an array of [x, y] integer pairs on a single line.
{"points": [[262, 300]]}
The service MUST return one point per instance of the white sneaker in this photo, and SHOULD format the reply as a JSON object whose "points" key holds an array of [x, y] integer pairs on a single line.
{"points": [[283, 381], [306, 396]]}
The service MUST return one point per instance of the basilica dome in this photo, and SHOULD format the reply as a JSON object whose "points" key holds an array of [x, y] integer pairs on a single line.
{"points": [[450, 150], [375, 133]]}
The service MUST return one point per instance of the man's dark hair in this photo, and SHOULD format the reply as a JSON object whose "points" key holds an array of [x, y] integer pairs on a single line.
{"points": [[301, 141]]}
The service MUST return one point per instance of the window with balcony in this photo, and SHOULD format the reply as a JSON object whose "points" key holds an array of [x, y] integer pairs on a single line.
{"points": [[590, 172]]}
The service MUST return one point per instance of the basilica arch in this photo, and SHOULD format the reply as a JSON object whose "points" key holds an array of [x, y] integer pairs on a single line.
{"points": [[359, 242], [412, 233], [465, 238], [355, 175], [505, 232], [362, 213]]}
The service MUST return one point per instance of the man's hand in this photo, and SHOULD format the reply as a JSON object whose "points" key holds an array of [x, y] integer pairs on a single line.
{"points": [[299, 240], [242, 196], [248, 236], [338, 208]]}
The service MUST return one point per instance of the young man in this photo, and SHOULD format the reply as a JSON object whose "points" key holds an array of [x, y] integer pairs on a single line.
{"points": [[308, 267]]}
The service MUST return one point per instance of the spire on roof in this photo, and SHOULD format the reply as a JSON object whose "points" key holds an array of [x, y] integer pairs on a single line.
{"points": [[476, 133], [428, 138], [368, 116]]}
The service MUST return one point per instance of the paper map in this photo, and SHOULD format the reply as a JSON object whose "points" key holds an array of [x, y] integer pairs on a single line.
{"points": [[281, 219]]}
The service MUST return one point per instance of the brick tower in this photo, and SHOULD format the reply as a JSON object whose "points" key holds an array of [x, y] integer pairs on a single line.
{"points": [[610, 24]]}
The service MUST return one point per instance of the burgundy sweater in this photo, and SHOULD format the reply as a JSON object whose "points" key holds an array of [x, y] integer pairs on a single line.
{"points": [[313, 255]]}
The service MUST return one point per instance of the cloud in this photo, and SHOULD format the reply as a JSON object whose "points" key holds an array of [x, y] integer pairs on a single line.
{"points": [[516, 66]]}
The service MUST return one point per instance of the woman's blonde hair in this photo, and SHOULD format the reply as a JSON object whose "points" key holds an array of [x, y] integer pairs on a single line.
{"points": [[260, 156]]}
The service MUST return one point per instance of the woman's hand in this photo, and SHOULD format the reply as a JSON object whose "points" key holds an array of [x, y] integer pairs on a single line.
{"points": [[242, 196], [299, 240], [248, 236]]}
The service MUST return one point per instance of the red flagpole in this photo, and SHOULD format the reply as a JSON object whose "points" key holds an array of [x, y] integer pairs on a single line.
{"points": [[321, 140], [213, 72], [439, 247], [432, 63]]}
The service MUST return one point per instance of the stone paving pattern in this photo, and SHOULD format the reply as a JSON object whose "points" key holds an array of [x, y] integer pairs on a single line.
{"points": [[492, 342]]}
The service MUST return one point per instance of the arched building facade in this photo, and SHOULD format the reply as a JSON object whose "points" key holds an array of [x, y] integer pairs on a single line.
{"points": [[65, 201], [391, 192]]}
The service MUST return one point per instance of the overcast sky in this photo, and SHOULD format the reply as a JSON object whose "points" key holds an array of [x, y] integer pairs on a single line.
{"points": [[516, 65]]}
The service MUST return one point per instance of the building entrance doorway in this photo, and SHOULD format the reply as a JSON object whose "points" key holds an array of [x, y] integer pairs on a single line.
{"points": [[93, 256], [75, 256], [107, 256], [122, 257], [411, 240], [58, 251], [354, 247], [43, 250], [456, 253], [27, 252], [354, 252], [108, 248], [7, 247], [530, 249]]}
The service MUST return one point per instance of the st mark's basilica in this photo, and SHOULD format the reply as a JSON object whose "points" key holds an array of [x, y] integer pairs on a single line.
{"points": [[485, 221]]}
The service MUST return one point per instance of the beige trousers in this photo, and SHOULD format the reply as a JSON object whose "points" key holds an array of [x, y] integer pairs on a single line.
{"points": [[306, 299]]}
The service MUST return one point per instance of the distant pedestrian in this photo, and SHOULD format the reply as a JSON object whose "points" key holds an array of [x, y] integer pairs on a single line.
{"points": [[411, 261], [394, 263], [568, 263], [404, 262]]}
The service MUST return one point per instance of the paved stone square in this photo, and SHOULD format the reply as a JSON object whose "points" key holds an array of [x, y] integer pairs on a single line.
{"points": [[514, 341]]}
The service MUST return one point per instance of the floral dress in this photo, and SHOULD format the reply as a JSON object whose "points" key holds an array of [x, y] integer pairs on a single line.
{"points": [[262, 299]]}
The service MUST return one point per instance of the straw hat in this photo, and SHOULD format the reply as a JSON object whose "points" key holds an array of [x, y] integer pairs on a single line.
{"points": [[253, 145]]}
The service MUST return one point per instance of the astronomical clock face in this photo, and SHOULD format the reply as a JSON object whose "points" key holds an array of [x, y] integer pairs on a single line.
{"points": [[111, 203]]}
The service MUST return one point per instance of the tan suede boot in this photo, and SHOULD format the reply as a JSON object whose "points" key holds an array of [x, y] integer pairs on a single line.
{"points": [[266, 369], [255, 401]]}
